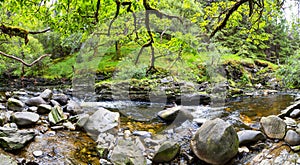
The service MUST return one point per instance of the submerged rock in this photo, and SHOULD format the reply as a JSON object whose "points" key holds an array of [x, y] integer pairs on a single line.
{"points": [[292, 137], [273, 126], [35, 101], [14, 104], [215, 142], [11, 138], [250, 136], [166, 152], [25, 118]]}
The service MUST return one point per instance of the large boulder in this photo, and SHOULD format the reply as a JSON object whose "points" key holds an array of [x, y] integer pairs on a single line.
{"points": [[25, 118], [102, 121], [11, 138], [250, 136], [273, 126], [215, 142]]}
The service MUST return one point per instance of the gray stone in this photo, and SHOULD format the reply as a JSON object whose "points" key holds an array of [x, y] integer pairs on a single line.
{"points": [[250, 136], [46, 94], [82, 119], [290, 122], [7, 160], [44, 109], [142, 133], [35, 101], [56, 115], [166, 152], [169, 114], [128, 152], [287, 111], [101, 121], [215, 142], [295, 113], [2, 107], [14, 104], [4, 117], [62, 99], [273, 126], [25, 118], [73, 108], [11, 138], [292, 138]]}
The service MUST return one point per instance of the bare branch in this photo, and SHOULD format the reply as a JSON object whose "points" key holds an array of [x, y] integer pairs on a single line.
{"points": [[22, 61], [38, 32]]}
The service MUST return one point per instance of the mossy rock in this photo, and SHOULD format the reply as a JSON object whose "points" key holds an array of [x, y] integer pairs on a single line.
{"points": [[167, 152]]}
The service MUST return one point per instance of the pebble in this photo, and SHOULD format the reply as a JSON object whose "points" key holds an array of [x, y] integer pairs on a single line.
{"points": [[37, 153]]}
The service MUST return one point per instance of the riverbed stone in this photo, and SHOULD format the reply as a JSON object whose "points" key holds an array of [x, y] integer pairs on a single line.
{"points": [[61, 98], [14, 104], [35, 101], [295, 113], [287, 111], [215, 142], [273, 126], [250, 136], [292, 138], [169, 114], [46, 94], [128, 152], [166, 152], [73, 108], [44, 109], [25, 118], [11, 138], [290, 122], [101, 121]]}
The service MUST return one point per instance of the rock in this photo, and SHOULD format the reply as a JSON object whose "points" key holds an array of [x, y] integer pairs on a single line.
{"points": [[243, 149], [44, 109], [273, 127], [199, 121], [215, 142], [128, 152], [4, 117], [142, 133], [250, 136], [62, 99], [73, 108], [2, 107], [69, 126], [82, 119], [102, 121], [14, 104], [7, 160], [12, 139], [56, 115], [46, 94], [25, 118], [169, 114], [35, 101], [32, 109], [287, 111], [166, 152], [37, 153], [290, 122], [292, 138], [295, 113], [54, 103]]}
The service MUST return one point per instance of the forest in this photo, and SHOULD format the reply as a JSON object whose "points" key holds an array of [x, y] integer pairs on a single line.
{"points": [[149, 82]]}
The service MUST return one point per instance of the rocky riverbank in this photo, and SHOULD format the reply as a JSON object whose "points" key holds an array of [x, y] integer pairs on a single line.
{"points": [[52, 126]]}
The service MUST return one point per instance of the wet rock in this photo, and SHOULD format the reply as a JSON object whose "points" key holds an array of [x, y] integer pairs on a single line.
{"points": [[169, 114], [25, 118], [73, 108], [82, 119], [166, 152], [7, 160], [62, 99], [273, 127], [215, 142], [142, 133], [11, 138], [56, 115], [69, 126], [128, 152], [44, 109], [292, 138], [46, 94], [295, 113], [290, 122], [35, 101], [102, 121], [250, 136], [287, 111], [14, 104]]}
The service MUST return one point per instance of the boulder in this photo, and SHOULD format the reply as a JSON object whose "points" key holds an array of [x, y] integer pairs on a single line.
{"points": [[128, 152], [14, 104], [166, 152], [215, 142], [35, 101], [250, 136], [46, 94], [25, 118], [292, 138], [101, 121], [273, 126], [44, 109], [11, 138]]}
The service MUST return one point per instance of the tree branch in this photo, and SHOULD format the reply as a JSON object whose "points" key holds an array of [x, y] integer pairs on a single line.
{"points": [[22, 61]]}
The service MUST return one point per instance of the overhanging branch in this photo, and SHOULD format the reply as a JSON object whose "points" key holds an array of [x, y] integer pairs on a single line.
{"points": [[22, 61]]}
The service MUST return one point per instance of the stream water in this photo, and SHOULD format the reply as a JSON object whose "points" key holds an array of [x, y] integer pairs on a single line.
{"points": [[75, 147]]}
